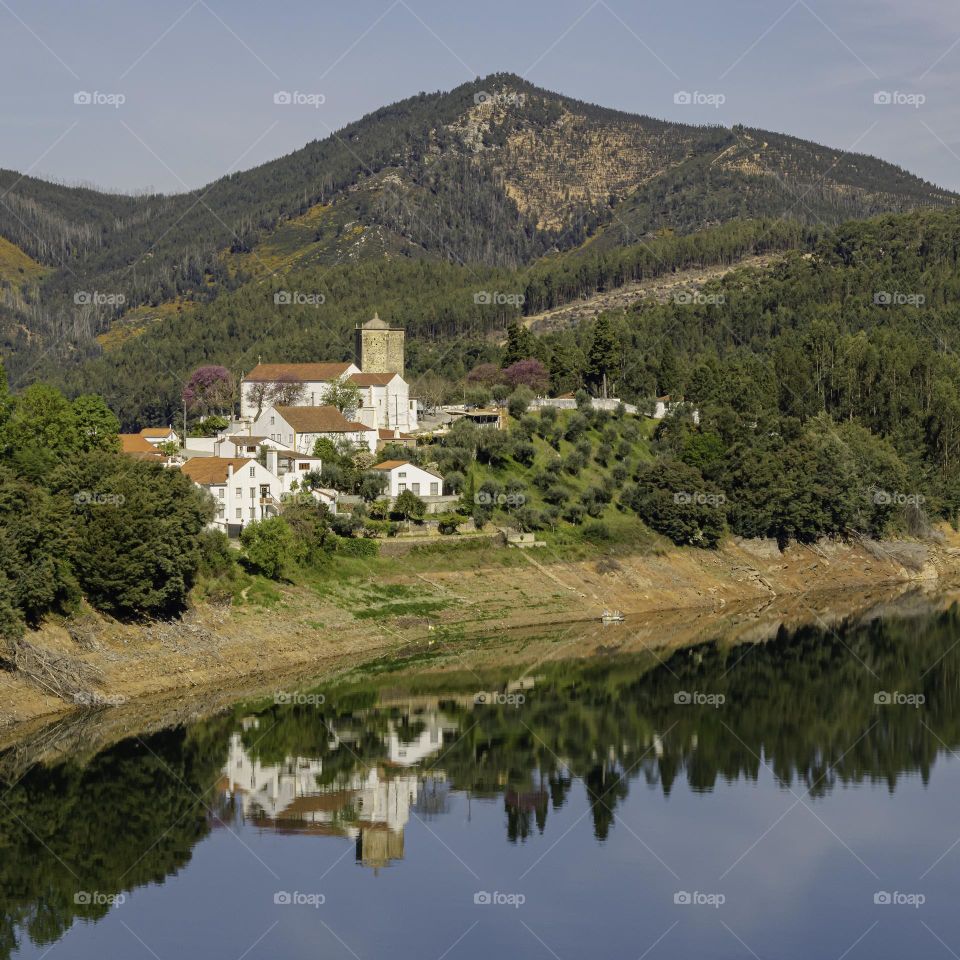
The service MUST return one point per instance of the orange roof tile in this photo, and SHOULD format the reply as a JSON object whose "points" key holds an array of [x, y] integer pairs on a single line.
{"points": [[319, 420], [372, 379], [295, 372], [213, 470]]}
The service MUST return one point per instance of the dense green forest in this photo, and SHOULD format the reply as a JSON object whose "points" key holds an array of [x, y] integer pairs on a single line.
{"points": [[448, 329], [80, 519]]}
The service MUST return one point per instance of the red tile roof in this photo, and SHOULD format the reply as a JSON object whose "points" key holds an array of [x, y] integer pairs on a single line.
{"points": [[211, 470], [372, 379], [295, 372], [137, 446], [319, 420]]}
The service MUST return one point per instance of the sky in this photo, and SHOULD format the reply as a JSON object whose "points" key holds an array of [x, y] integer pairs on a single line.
{"points": [[176, 93]]}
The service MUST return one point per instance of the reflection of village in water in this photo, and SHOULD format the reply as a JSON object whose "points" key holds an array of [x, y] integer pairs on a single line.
{"points": [[371, 805]]}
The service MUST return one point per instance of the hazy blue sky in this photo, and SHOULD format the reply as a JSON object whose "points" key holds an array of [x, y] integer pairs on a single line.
{"points": [[199, 78]]}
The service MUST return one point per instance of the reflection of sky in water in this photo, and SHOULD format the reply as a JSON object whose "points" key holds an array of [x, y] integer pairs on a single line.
{"points": [[797, 893]]}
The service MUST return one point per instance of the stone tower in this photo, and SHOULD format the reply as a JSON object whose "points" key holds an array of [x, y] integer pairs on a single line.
{"points": [[379, 347]]}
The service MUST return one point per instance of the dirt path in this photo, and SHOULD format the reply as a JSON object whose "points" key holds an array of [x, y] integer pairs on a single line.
{"points": [[658, 290]]}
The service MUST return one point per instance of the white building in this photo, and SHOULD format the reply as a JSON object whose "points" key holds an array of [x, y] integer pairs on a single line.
{"points": [[244, 491], [299, 428], [259, 389], [387, 397], [158, 435], [403, 475]]}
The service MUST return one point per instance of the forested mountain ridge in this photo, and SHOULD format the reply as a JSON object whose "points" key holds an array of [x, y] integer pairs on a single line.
{"points": [[495, 173]]}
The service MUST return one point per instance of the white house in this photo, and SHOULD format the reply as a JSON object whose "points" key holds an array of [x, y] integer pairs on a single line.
{"points": [[158, 435], [299, 428], [387, 395], [303, 383], [403, 475], [243, 490]]}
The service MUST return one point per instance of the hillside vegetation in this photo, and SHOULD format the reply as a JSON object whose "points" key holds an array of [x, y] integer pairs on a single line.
{"points": [[496, 173]]}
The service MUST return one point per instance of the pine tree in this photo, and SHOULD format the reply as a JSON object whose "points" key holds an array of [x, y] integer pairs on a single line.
{"points": [[602, 357]]}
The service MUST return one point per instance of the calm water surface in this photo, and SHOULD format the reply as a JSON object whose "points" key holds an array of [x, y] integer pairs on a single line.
{"points": [[792, 799]]}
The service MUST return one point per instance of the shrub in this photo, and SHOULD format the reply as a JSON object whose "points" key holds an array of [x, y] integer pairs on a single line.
{"points": [[409, 506], [136, 550], [524, 453], [674, 499], [596, 532], [577, 426], [354, 547], [519, 402], [268, 546], [454, 481]]}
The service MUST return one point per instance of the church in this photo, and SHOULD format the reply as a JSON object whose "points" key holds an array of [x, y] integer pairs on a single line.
{"points": [[377, 370]]}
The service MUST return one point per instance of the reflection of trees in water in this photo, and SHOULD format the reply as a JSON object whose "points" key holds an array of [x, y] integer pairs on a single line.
{"points": [[804, 702], [129, 817]]}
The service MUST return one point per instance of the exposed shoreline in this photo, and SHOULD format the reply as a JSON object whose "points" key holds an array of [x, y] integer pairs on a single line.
{"points": [[743, 591]]}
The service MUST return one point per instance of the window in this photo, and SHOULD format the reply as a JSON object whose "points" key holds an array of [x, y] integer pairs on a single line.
{"points": [[253, 513], [434, 489], [401, 487], [273, 421], [220, 512], [253, 471], [239, 492], [239, 513], [304, 466], [416, 488], [253, 493], [221, 492], [402, 473]]}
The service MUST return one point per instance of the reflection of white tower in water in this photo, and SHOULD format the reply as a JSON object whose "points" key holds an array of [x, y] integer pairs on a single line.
{"points": [[370, 805]]}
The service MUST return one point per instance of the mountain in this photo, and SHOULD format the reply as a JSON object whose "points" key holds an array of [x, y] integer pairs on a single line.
{"points": [[495, 174]]}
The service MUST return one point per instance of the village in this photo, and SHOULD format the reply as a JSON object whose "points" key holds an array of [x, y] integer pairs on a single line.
{"points": [[270, 453], [293, 414]]}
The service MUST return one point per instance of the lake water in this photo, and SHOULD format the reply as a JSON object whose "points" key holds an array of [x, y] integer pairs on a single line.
{"points": [[793, 799]]}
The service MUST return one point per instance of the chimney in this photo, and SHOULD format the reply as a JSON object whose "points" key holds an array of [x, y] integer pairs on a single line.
{"points": [[230, 471], [272, 460]]}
